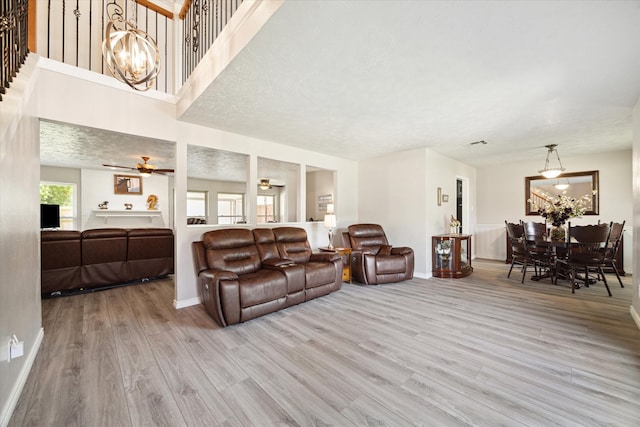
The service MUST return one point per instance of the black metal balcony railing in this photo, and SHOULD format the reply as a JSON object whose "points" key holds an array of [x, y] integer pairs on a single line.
{"points": [[13, 40], [203, 21], [75, 31]]}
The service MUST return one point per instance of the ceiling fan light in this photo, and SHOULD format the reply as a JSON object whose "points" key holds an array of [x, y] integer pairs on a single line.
{"points": [[264, 184], [145, 173]]}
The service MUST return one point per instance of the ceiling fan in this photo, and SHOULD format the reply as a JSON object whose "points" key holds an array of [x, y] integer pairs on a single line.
{"points": [[265, 184], [145, 169]]}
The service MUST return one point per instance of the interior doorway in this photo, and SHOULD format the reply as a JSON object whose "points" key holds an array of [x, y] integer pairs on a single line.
{"points": [[462, 214]]}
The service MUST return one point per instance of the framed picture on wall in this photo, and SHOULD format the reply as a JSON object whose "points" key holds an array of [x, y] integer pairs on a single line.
{"points": [[323, 201], [127, 184]]}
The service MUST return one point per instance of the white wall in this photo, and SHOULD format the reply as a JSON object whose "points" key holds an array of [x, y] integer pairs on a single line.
{"points": [[398, 191], [20, 307], [97, 187], [501, 197], [635, 302]]}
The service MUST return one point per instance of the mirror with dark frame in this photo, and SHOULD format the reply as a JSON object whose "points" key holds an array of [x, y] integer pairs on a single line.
{"points": [[574, 184]]}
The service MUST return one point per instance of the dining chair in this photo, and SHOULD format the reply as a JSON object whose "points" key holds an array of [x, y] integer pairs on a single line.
{"points": [[519, 253], [613, 246], [586, 252], [541, 253]]}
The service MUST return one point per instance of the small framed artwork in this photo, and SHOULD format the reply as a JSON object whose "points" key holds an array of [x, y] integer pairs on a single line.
{"points": [[439, 196], [445, 198], [127, 184], [323, 201]]}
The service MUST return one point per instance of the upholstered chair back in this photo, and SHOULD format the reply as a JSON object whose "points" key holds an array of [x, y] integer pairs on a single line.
{"points": [[367, 238], [292, 243], [266, 243], [232, 249]]}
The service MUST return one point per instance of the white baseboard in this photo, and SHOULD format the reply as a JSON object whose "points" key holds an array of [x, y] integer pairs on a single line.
{"points": [[9, 407], [635, 316], [186, 303]]}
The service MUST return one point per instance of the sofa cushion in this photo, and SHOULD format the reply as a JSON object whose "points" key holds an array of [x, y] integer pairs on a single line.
{"points": [[292, 243], [319, 273], [391, 264], [261, 286], [367, 238], [266, 243], [232, 249]]}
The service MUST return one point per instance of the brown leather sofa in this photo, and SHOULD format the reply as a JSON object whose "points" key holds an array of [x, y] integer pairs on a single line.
{"points": [[243, 274], [374, 260], [73, 261]]}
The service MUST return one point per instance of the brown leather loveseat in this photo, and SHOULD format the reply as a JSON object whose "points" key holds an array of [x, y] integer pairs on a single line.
{"points": [[374, 260], [72, 261], [244, 274]]}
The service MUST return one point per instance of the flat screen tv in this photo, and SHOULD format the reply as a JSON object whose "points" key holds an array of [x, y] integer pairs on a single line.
{"points": [[49, 216]]}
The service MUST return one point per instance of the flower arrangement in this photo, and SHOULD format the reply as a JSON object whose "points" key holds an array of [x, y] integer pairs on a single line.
{"points": [[558, 210], [454, 225]]}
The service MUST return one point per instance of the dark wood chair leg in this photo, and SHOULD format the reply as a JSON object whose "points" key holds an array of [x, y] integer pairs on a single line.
{"points": [[615, 270], [604, 279]]}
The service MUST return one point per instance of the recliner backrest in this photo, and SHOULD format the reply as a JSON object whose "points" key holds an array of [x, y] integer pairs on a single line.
{"points": [[293, 244], [232, 249], [266, 243], [367, 238]]}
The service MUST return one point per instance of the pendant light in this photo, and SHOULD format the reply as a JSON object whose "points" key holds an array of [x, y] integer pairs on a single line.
{"points": [[552, 172], [131, 54]]}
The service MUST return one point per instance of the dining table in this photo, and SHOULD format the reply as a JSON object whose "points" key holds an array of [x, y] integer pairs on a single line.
{"points": [[559, 248]]}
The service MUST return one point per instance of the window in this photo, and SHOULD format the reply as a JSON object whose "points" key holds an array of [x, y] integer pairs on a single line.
{"points": [[197, 204], [231, 208], [265, 209], [63, 194]]}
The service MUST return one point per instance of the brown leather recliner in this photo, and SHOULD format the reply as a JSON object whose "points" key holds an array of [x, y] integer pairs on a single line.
{"points": [[374, 260]]}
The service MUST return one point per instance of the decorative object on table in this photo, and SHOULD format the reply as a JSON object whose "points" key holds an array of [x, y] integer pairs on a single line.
{"points": [[127, 184], [152, 202], [103, 205], [131, 54], [330, 222], [552, 172], [128, 206], [558, 210], [454, 225]]}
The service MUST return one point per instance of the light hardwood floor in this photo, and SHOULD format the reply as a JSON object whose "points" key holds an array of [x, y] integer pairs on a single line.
{"points": [[483, 350]]}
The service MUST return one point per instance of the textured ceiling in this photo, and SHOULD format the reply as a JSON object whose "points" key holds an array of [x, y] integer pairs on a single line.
{"points": [[360, 79]]}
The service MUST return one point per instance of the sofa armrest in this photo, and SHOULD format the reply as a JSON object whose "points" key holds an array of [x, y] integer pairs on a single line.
{"points": [[401, 251], [325, 257], [277, 262], [221, 295]]}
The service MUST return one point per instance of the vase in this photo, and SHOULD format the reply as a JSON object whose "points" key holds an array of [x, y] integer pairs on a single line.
{"points": [[558, 232]]}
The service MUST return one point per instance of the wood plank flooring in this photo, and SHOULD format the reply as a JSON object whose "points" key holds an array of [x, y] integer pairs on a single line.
{"points": [[483, 350]]}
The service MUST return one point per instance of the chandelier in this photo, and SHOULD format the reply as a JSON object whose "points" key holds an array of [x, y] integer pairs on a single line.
{"points": [[131, 54], [552, 172]]}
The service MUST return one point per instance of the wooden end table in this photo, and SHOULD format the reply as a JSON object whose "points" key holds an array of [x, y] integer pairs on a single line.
{"points": [[345, 253]]}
